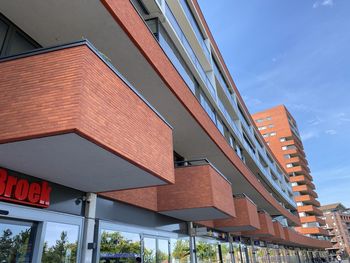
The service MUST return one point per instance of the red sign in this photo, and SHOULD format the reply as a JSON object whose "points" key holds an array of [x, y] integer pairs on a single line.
{"points": [[22, 191]]}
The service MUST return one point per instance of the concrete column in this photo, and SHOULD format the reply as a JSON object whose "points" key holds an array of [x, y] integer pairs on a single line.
{"points": [[232, 252], [88, 245], [268, 254], [191, 233], [253, 251]]}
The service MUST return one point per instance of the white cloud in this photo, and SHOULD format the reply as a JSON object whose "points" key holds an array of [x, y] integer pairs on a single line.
{"points": [[316, 121], [308, 135], [331, 132], [327, 3], [323, 3]]}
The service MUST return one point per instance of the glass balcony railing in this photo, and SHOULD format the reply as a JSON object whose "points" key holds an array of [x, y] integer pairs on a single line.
{"points": [[271, 165], [228, 118], [181, 36], [196, 30]]}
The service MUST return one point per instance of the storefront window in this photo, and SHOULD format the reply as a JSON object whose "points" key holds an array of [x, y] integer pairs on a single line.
{"points": [[16, 241], [61, 243], [207, 250], [180, 250], [119, 247], [150, 248], [163, 251], [225, 252], [237, 253]]}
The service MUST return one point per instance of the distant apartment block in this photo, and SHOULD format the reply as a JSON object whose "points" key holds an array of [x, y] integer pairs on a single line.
{"points": [[280, 131], [337, 219]]}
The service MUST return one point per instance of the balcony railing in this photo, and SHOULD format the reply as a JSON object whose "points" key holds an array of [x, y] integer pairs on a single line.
{"points": [[196, 30], [183, 39], [281, 188]]}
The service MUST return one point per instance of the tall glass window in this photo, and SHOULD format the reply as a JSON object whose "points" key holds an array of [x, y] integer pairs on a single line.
{"points": [[207, 250], [180, 250], [61, 243], [174, 56], [116, 246], [16, 241]]}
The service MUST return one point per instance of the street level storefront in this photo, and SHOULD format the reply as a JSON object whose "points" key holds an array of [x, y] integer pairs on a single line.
{"points": [[39, 221]]}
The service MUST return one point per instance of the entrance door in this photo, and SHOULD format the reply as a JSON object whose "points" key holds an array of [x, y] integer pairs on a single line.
{"points": [[16, 240], [155, 250]]}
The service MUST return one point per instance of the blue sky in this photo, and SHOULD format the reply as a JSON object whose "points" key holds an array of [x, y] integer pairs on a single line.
{"points": [[295, 53]]}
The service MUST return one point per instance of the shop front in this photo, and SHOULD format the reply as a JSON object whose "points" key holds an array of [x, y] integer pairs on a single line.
{"points": [[39, 221]]}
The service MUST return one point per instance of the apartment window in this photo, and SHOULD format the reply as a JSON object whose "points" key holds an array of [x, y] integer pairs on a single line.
{"points": [[259, 120], [294, 184], [268, 118], [207, 106], [265, 135], [289, 165], [283, 139], [299, 203], [172, 53], [271, 126], [220, 126], [272, 133], [287, 156], [13, 40], [262, 128]]}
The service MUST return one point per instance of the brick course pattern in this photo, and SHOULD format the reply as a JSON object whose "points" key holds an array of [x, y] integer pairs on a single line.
{"points": [[195, 187], [73, 90], [127, 17]]}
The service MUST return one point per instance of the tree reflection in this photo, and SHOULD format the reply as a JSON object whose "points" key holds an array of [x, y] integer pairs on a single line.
{"points": [[15, 248], [62, 252]]}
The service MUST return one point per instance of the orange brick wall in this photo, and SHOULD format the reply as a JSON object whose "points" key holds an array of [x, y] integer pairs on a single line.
{"points": [[73, 90], [279, 120]]}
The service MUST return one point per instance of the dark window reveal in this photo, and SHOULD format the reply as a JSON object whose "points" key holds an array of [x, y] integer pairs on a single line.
{"points": [[13, 40]]}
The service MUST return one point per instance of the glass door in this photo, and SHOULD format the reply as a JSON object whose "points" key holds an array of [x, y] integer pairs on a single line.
{"points": [[149, 250], [163, 251], [16, 240], [156, 250]]}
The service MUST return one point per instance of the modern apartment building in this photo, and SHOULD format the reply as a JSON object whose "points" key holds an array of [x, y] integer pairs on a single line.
{"points": [[123, 138], [280, 131], [337, 219]]}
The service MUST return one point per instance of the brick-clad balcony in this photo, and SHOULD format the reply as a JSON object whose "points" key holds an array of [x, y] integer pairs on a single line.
{"points": [[69, 117], [200, 192], [310, 219], [246, 217], [302, 179], [279, 232], [310, 209], [312, 231], [297, 239], [307, 199], [266, 227], [305, 190], [298, 169]]}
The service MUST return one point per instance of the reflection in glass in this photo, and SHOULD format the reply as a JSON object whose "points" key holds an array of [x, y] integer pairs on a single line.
{"points": [[180, 250], [61, 243], [225, 252], [16, 241], [149, 250], [163, 251], [119, 247], [207, 251]]}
